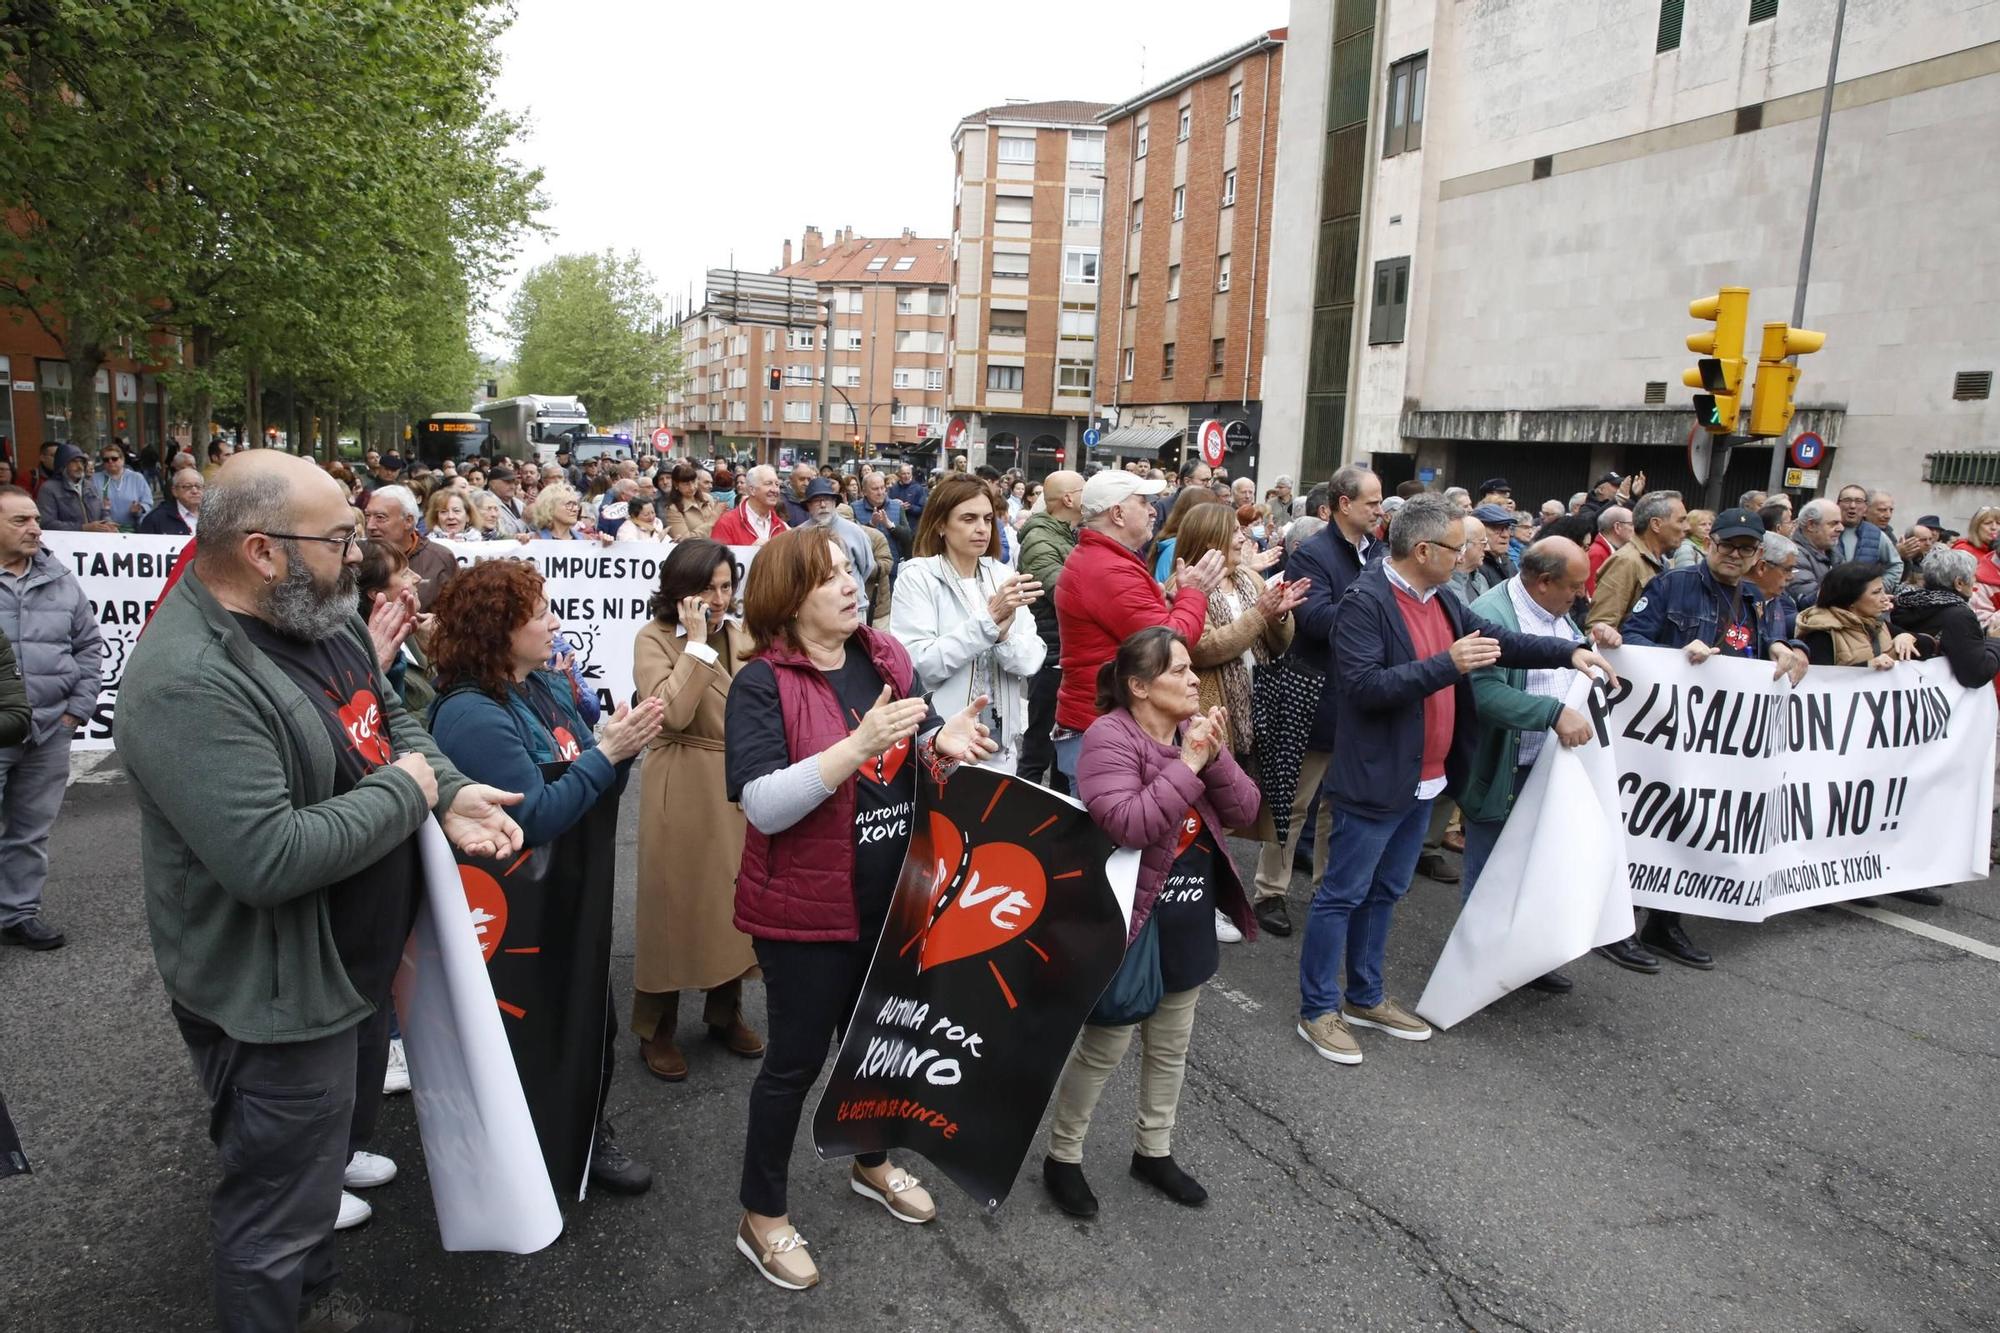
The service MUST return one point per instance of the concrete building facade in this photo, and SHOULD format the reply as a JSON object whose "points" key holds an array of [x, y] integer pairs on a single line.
{"points": [[1187, 250], [890, 299], [1027, 208], [1507, 208]]}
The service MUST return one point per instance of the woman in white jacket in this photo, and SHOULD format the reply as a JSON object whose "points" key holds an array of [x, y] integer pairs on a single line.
{"points": [[963, 614]]}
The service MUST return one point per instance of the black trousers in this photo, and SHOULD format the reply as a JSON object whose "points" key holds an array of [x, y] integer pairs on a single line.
{"points": [[371, 1062], [279, 1116], [809, 991], [1038, 752]]}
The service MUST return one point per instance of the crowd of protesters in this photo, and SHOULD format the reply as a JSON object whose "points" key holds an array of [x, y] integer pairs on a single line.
{"points": [[1357, 681]]}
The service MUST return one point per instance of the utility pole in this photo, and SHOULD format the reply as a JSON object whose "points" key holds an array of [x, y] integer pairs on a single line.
{"points": [[1777, 477], [826, 387]]}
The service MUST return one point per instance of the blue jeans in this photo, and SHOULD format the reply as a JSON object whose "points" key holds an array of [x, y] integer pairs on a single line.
{"points": [[1368, 868], [1481, 835], [1067, 750]]}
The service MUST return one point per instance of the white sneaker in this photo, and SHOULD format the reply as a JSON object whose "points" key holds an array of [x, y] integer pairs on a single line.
{"points": [[365, 1170], [1225, 929], [396, 1078], [353, 1212]]}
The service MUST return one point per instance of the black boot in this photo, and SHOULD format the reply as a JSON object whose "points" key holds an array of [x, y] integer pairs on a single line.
{"points": [[1274, 917], [1068, 1188], [1628, 954], [1663, 935], [1166, 1177], [612, 1170]]}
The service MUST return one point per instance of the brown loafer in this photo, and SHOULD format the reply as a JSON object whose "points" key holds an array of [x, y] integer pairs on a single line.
{"points": [[739, 1037], [781, 1257], [902, 1194], [664, 1059]]}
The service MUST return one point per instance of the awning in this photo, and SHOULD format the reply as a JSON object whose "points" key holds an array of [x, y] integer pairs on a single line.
{"points": [[1137, 441]]}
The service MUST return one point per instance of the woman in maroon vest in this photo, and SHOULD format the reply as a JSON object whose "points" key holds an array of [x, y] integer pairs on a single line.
{"points": [[823, 742]]}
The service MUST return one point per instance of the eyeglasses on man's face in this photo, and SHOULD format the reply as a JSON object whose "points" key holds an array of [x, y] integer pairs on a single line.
{"points": [[348, 541]]}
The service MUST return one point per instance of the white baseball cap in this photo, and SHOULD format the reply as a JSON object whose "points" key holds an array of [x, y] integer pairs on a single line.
{"points": [[1112, 487]]}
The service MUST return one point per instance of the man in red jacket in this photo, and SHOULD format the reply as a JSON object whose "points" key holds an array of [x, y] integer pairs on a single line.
{"points": [[1108, 594]]}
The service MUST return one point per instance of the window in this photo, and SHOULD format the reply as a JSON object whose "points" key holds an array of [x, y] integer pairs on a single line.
{"points": [[1006, 265], [55, 401], [1139, 144], [1222, 273], [1073, 378], [739, 410], [1670, 26], [767, 410], [1086, 205], [1086, 148], [1186, 123], [1173, 282], [715, 382], [1080, 264], [1235, 101], [1405, 120], [906, 301], [798, 340], [1229, 187], [1131, 289], [1166, 361], [878, 263], [1078, 321], [850, 340], [1003, 379], [934, 416], [1138, 213], [1013, 208], [904, 264], [906, 377], [798, 411], [934, 380], [847, 377], [1763, 9], [902, 414], [1008, 324], [1016, 149], [770, 340], [1391, 309], [1125, 365], [1218, 351], [739, 378], [1180, 202]]}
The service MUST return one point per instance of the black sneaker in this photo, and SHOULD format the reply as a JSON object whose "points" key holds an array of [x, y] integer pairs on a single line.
{"points": [[1274, 917], [612, 1169], [1165, 1176], [33, 933], [343, 1312], [1068, 1188]]}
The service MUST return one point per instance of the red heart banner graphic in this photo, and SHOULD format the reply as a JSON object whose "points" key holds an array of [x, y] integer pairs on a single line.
{"points": [[884, 767], [362, 717], [566, 747], [488, 902], [1001, 889], [1190, 830]]}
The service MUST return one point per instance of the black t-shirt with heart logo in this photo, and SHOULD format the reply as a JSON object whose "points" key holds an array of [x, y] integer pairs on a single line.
{"points": [[1189, 954], [373, 909], [885, 790]]}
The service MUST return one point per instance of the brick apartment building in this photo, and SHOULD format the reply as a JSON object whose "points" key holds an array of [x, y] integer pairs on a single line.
{"points": [[1026, 208], [1187, 244], [36, 396], [890, 298]]}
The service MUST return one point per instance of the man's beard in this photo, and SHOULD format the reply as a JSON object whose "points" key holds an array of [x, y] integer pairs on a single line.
{"points": [[824, 520], [300, 606]]}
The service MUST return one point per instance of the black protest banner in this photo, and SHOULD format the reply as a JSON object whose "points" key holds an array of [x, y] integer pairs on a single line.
{"points": [[1003, 932], [13, 1162], [544, 923]]}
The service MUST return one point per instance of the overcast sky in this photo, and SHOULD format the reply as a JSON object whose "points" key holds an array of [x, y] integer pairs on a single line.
{"points": [[691, 132]]}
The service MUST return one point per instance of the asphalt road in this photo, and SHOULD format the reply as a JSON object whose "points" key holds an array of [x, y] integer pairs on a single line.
{"points": [[1802, 1139]]}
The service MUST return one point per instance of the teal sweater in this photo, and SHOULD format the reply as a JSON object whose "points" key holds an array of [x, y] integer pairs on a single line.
{"points": [[1506, 709], [240, 831]]}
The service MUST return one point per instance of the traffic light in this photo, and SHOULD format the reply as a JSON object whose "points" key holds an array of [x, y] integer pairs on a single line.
{"points": [[1771, 412], [777, 378], [1719, 373]]}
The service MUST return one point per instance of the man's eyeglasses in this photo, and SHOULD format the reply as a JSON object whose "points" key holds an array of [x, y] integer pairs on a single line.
{"points": [[1740, 548], [351, 540], [1445, 546]]}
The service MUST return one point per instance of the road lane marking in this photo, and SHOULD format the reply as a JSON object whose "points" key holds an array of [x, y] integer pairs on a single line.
{"points": [[1924, 928]]}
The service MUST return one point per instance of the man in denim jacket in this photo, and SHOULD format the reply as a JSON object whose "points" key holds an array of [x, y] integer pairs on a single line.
{"points": [[1708, 610]]}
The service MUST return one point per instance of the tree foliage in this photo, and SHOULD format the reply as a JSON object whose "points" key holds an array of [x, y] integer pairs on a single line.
{"points": [[312, 193], [593, 326]]}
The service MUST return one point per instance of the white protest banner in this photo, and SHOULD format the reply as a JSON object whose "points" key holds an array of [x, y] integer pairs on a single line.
{"points": [[600, 593], [1743, 796], [488, 1180], [1522, 921]]}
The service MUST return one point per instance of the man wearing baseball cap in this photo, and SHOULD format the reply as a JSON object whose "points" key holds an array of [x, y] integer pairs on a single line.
{"points": [[1107, 594], [1706, 610]]}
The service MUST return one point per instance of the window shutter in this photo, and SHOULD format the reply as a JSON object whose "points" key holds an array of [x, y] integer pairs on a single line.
{"points": [[1670, 26], [1763, 9]]}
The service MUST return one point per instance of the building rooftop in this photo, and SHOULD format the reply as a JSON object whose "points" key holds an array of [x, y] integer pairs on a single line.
{"points": [[1275, 37], [863, 259], [1058, 113]]}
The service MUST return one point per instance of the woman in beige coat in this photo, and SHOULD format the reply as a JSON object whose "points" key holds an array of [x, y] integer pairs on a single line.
{"points": [[688, 512], [690, 835]]}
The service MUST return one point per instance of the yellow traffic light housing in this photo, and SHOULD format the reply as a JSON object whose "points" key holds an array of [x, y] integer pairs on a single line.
{"points": [[1771, 410], [1719, 374]]}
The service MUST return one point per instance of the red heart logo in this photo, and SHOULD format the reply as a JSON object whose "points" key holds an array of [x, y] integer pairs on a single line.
{"points": [[1190, 830], [884, 767], [1000, 891], [1737, 637], [566, 746], [362, 717], [489, 908]]}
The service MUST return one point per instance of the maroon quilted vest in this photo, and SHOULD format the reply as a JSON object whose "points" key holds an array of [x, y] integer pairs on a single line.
{"points": [[799, 885]]}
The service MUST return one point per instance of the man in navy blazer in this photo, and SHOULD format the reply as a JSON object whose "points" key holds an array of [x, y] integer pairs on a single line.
{"points": [[1402, 682], [1331, 558]]}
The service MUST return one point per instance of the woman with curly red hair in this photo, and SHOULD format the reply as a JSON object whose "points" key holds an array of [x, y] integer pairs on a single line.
{"points": [[500, 709]]}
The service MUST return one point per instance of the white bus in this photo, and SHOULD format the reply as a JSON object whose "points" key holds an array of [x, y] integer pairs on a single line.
{"points": [[531, 426]]}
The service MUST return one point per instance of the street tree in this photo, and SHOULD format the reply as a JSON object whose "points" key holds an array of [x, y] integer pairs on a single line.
{"points": [[593, 325]]}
